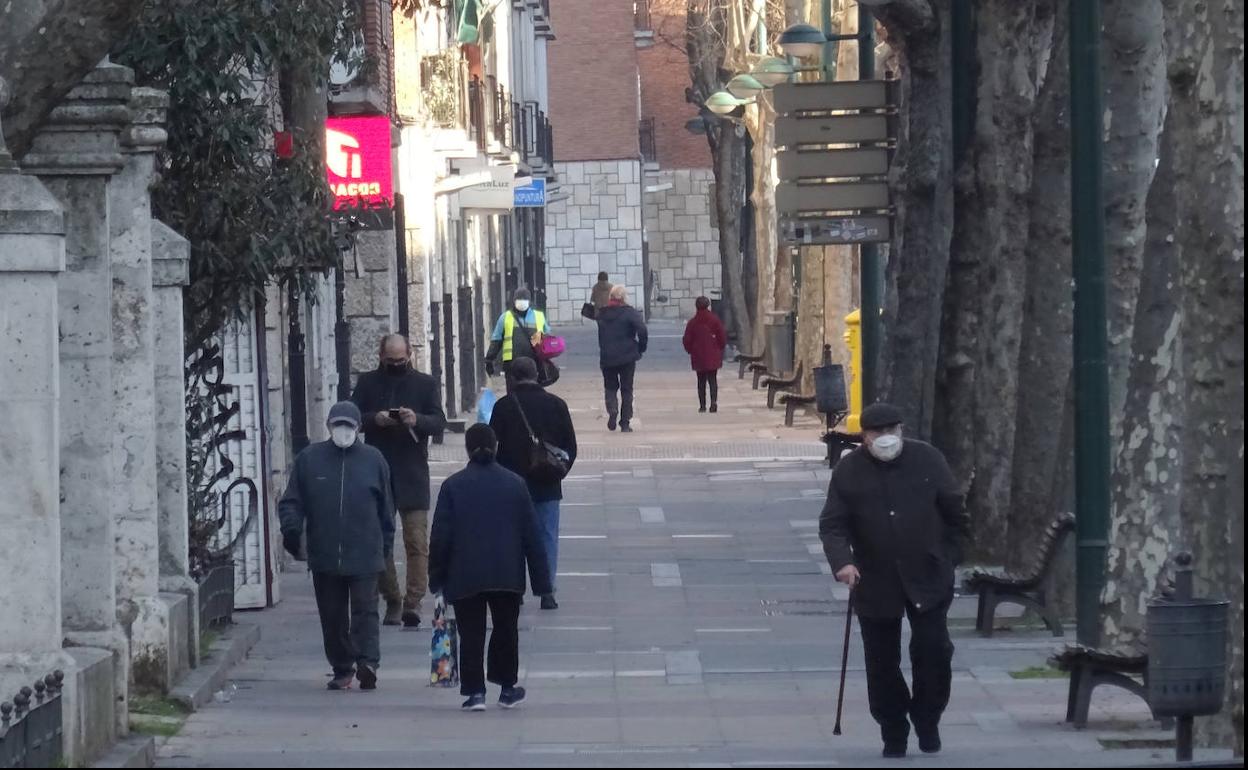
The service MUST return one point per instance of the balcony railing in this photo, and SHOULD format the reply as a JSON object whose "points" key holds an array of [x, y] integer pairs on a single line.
{"points": [[478, 121], [641, 16], [646, 135]]}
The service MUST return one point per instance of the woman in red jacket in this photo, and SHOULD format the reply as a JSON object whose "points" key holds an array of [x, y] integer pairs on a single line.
{"points": [[705, 340]]}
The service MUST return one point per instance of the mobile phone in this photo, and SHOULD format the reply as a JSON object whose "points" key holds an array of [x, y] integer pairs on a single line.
{"points": [[394, 415]]}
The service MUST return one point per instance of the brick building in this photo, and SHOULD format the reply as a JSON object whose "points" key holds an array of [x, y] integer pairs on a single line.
{"points": [[635, 179]]}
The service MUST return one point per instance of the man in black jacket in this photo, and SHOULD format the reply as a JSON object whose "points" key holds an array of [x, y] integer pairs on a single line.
{"points": [[892, 529], [622, 340], [484, 534], [401, 411], [339, 493], [552, 422]]}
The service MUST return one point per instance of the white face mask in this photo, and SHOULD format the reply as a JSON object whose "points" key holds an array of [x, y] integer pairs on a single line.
{"points": [[342, 435], [522, 305], [886, 447]]}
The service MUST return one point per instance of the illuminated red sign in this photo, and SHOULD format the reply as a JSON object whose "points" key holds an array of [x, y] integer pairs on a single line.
{"points": [[357, 155]]}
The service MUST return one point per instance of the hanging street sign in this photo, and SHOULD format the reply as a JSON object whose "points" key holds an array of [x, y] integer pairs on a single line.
{"points": [[531, 195], [835, 143], [826, 231], [837, 95]]}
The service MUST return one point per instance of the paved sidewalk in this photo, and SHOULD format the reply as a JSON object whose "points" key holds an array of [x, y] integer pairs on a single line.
{"points": [[698, 628]]}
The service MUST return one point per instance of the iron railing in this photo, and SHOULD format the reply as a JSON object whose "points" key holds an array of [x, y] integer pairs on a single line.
{"points": [[646, 135], [477, 121], [31, 734], [216, 597], [641, 16]]}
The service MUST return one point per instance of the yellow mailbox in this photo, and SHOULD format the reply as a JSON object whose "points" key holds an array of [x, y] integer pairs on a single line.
{"points": [[853, 338]]}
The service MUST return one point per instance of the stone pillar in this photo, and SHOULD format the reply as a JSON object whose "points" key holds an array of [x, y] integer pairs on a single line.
{"points": [[74, 155], [171, 255], [158, 639], [371, 304], [32, 255]]}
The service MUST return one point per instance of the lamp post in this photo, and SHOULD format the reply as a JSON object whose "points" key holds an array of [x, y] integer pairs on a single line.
{"points": [[1092, 447]]}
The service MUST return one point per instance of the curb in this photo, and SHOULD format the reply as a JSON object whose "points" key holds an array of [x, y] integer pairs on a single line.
{"points": [[134, 751], [235, 643]]}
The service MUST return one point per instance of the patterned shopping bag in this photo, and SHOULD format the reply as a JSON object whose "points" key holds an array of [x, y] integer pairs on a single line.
{"points": [[444, 651]]}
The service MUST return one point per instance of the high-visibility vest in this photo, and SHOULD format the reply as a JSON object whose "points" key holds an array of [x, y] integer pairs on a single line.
{"points": [[509, 328]]}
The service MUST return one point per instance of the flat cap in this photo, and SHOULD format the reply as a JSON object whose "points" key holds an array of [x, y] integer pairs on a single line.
{"points": [[879, 416]]}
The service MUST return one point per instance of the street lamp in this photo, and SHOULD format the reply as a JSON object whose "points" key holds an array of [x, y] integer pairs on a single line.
{"points": [[745, 86], [772, 71], [723, 103], [802, 41]]}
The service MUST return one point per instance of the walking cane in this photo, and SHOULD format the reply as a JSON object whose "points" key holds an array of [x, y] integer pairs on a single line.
{"points": [[840, 699]]}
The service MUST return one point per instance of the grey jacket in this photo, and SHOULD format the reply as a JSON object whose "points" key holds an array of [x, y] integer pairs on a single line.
{"points": [[342, 498]]}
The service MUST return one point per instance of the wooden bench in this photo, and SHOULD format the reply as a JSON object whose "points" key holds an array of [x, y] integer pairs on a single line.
{"points": [[1027, 590], [1090, 668], [792, 402], [760, 371], [776, 384], [744, 362]]}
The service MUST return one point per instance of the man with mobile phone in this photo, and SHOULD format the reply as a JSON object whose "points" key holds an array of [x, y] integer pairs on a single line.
{"points": [[402, 410]]}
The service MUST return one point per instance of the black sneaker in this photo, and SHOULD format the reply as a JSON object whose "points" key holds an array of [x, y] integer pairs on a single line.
{"points": [[549, 603], [367, 676], [611, 422], [393, 612], [894, 751], [474, 703], [340, 682], [929, 740], [511, 697], [411, 619], [625, 428], [714, 408], [702, 410]]}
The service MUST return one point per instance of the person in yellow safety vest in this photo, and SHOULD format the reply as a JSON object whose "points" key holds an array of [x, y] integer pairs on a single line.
{"points": [[518, 329]]}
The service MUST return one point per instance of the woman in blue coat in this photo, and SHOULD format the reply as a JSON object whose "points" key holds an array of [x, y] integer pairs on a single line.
{"points": [[485, 532]]}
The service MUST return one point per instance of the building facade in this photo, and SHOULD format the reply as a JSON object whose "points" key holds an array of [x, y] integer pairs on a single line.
{"points": [[635, 199]]}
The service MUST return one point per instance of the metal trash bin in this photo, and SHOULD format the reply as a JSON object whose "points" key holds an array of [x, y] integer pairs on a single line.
{"points": [[831, 396], [1187, 656], [780, 330]]}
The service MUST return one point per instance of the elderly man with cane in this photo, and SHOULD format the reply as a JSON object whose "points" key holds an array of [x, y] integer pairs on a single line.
{"points": [[892, 529]]}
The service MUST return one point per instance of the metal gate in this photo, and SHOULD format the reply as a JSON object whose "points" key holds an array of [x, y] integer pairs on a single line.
{"points": [[243, 499]]}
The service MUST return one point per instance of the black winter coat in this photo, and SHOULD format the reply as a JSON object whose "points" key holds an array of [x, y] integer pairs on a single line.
{"points": [[407, 450], [901, 523], [551, 421], [342, 498], [622, 336], [485, 531]]}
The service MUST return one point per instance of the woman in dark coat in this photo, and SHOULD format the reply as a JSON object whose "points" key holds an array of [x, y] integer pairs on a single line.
{"points": [[485, 532], [705, 340]]}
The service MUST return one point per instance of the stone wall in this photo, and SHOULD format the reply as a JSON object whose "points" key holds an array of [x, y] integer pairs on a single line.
{"points": [[684, 247], [597, 227], [370, 300]]}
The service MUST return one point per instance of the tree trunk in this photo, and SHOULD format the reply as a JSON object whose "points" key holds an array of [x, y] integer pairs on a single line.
{"points": [[1147, 482], [923, 180], [82, 32], [988, 266], [1207, 105], [1135, 71], [1045, 355]]}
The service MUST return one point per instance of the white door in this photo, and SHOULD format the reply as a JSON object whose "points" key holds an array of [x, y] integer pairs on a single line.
{"points": [[243, 492]]}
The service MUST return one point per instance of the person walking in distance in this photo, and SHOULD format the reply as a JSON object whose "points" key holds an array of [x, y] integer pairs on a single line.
{"points": [[600, 296], [339, 494], [531, 407], [705, 340], [401, 411], [513, 335], [893, 529], [485, 532], [622, 340]]}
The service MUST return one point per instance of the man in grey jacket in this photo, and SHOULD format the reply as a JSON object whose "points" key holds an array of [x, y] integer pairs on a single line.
{"points": [[339, 493]]}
